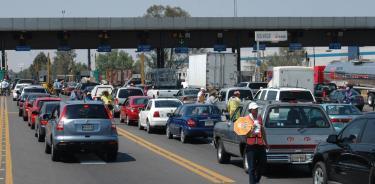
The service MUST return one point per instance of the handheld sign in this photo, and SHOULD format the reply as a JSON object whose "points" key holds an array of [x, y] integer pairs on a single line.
{"points": [[243, 125]]}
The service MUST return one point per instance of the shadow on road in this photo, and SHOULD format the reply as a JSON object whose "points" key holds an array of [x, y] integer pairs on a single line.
{"points": [[90, 158]]}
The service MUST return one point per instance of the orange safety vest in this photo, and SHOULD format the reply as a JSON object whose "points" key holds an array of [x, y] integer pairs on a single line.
{"points": [[255, 139]]}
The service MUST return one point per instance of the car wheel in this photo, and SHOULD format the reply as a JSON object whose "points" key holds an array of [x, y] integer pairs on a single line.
{"points": [[55, 154], [140, 126], [25, 119], [32, 126], [244, 162], [47, 148], [14, 99], [121, 119], [116, 114], [39, 136], [370, 99], [183, 137], [110, 156], [319, 173], [36, 131], [222, 156], [127, 121], [168, 132], [19, 113], [149, 128]]}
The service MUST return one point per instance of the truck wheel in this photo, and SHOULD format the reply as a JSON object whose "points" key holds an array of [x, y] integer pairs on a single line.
{"points": [[222, 156], [319, 173], [370, 99]]}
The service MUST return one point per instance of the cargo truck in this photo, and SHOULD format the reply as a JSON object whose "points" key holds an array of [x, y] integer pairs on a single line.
{"points": [[212, 70], [293, 76]]}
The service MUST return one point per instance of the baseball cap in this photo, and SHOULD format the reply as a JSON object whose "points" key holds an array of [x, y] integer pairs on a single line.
{"points": [[253, 105]]}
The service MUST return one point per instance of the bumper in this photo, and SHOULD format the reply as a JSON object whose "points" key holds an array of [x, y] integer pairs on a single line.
{"points": [[133, 116], [159, 122], [290, 158], [199, 132], [76, 145]]}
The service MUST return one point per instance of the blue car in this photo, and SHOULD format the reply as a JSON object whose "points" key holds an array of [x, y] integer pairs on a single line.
{"points": [[192, 120]]}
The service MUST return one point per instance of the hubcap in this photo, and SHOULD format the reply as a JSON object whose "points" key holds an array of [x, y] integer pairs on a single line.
{"points": [[318, 176]]}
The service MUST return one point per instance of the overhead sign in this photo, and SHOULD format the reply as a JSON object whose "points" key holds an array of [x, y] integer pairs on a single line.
{"points": [[261, 47], [295, 46], [181, 50], [353, 53], [104, 48], [23, 48], [144, 48], [220, 47], [271, 36], [335, 46]]}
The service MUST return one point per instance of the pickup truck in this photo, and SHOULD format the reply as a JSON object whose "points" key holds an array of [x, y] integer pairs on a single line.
{"points": [[226, 93], [292, 130], [162, 93]]}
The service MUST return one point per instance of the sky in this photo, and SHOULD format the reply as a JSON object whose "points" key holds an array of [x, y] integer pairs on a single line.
{"points": [[197, 8]]}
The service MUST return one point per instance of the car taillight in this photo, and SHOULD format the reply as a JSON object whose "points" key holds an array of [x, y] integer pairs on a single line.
{"points": [[33, 117], [191, 123], [43, 122], [60, 124], [156, 114], [334, 120], [337, 120]]}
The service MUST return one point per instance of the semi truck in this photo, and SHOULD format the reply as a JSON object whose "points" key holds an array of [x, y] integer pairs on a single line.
{"points": [[360, 74], [212, 70], [293, 76]]}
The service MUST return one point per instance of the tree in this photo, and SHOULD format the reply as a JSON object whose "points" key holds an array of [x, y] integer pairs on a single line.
{"points": [[39, 63], [284, 58], [63, 63], [114, 60]]}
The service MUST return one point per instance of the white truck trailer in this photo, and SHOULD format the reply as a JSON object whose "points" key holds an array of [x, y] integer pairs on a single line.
{"points": [[293, 76]]}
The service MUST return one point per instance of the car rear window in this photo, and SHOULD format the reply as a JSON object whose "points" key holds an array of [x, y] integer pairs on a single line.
{"points": [[301, 96], [201, 110], [100, 90], [167, 103], [140, 101], [191, 92], [125, 93], [244, 94], [296, 117], [86, 111], [257, 85], [41, 102], [33, 97], [342, 110], [35, 90], [50, 107]]}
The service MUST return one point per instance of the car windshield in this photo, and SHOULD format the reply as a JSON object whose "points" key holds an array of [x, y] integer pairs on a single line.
{"points": [[34, 90], [140, 101], [41, 102], [244, 94], [241, 84], [302, 96], [167, 103], [191, 92], [125, 93], [296, 117], [86, 111], [201, 110], [342, 110]]}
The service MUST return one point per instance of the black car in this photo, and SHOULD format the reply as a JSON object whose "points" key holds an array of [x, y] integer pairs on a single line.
{"points": [[348, 157]]}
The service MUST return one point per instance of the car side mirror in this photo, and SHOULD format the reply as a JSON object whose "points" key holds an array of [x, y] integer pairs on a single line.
{"points": [[332, 139], [45, 116]]}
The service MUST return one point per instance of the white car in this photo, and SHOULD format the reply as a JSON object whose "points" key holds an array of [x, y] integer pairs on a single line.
{"points": [[17, 89], [33, 89], [96, 93], [155, 113]]}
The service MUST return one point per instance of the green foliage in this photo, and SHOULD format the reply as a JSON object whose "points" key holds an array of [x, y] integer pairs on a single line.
{"points": [[63, 63], [284, 58], [159, 11], [115, 60]]}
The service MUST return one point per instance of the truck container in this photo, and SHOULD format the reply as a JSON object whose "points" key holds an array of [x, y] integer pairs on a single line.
{"points": [[319, 74], [212, 70], [293, 76]]}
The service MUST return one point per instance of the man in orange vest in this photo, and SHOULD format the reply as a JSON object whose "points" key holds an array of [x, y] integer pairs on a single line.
{"points": [[256, 146]]}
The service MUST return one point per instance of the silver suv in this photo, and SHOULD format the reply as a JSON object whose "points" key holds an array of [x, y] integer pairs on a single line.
{"points": [[78, 126]]}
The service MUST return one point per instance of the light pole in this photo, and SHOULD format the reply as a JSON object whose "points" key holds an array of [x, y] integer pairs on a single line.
{"points": [[235, 8]]}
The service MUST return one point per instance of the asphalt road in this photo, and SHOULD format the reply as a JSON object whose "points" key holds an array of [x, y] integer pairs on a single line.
{"points": [[143, 158]]}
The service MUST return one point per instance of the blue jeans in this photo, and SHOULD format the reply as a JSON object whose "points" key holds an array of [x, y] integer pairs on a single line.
{"points": [[257, 161]]}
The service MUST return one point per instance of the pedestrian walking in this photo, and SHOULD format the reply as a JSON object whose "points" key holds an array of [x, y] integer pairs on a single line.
{"points": [[256, 146], [57, 87]]}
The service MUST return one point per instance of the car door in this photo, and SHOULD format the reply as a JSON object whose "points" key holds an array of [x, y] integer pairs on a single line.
{"points": [[229, 137], [175, 121], [143, 114], [52, 123], [344, 168], [125, 108]]}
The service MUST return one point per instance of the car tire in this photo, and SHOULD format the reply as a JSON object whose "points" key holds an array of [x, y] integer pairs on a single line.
{"points": [[110, 156], [319, 173], [370, 99], [19, 113], [47, 148], [183, 137], [222, 156], [149, 128], [55, 154], [25, 119], [39, 136], [168, 132], [121, 119], [14, 99], [116, 114], [140, 126], [127, 121], [32, 126]]}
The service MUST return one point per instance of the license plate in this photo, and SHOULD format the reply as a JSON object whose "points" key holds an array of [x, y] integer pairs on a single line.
{"points": [[209, 123], [87, 127], [298, 158]]}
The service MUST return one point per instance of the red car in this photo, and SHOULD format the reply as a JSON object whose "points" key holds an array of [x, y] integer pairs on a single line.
{"points": [[130, 108], [28, 103], [35, 109]]}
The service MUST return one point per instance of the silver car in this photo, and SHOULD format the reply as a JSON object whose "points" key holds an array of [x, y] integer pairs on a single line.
{"points": [[81, 126]]}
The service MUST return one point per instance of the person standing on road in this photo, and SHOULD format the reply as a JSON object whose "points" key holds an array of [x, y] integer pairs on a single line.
{"points": [[233, 103], [57, 87], [256, 146], [212, 99], [74, 95], [88, 96], [107, 100], [201, 98], [4, 87]]}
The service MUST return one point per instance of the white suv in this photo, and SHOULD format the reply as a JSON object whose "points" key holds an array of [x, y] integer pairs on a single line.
{"points": [[285, 95]]}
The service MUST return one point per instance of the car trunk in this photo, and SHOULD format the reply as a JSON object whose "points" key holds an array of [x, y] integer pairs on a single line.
{"points": [[87, 127], [203, 121]]}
